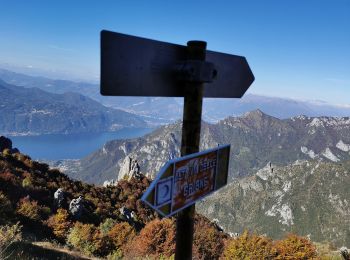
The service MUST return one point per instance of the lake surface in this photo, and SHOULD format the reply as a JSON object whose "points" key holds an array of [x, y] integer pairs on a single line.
{"points": [[73, 146]]}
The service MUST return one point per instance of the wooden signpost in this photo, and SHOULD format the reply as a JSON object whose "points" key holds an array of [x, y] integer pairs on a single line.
{"points": [[134, 66]]}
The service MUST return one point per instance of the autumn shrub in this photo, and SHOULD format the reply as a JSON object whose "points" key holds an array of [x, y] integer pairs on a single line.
{"points": [[249, 246], [295, 247], [115, 255], [10, 178], [60, 224], [29, 208], [88, 239], [155, 239], [208, 241], [45, 212], [121, 234], [107, 225], [81, 237], [102, 243], [9, 235], [20, 156], [27, 182], [6, 209], [6, 152]]}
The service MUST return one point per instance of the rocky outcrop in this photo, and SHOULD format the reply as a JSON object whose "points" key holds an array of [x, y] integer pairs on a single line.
{"points": [[130, 168], [76, 207], [109, 183], [59, 198], [128, 215], [344, 252], [288, 199]]}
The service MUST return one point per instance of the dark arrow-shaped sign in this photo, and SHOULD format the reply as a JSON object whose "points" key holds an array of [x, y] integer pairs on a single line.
{"points": [[134, 66]]}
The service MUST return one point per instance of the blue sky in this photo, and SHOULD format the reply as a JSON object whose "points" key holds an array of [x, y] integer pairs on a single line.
{"points": [[297, 49]]}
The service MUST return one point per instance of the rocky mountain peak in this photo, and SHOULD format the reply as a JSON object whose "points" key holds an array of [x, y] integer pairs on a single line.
{"points": [[256, 115], [255, 119]]}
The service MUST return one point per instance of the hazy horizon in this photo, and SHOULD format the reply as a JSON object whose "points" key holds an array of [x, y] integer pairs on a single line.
{"points": [[297, 50]]}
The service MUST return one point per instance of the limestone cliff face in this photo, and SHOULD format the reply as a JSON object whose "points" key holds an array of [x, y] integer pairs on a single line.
{"points": [[308, 198]]}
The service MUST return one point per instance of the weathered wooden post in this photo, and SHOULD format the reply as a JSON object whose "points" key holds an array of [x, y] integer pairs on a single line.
{"points": [[191, 129]]}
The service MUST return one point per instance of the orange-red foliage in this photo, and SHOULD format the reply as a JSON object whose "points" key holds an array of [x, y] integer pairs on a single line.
{"points": [[155, 239], [249, 246], [60, 223], [295, 247], [121, 234], [29, 208], [208, 242]]}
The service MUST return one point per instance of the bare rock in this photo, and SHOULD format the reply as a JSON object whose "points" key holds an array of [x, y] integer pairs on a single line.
{"points": [[76, 207], [130, 168], [344, 252], [128, 215], [109, 183], [59, 198]]}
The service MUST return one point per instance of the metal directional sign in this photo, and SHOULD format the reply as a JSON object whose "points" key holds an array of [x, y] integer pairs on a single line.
{"points": [[134, 66], [183, 181]]}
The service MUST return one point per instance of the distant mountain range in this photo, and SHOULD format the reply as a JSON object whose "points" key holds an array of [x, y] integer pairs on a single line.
{"points": [[289, 175], [256, 139], [167, 110], [310, 198], [32, 111]]}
